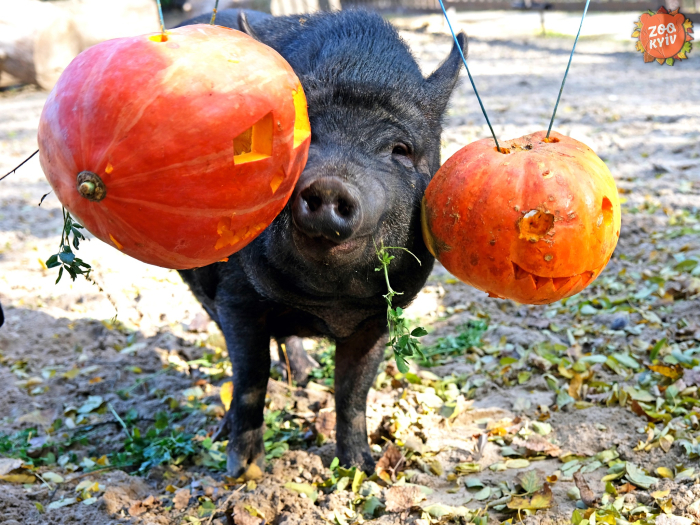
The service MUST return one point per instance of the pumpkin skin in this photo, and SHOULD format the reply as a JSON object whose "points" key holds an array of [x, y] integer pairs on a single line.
{"points": [[534, 225], [198, 141]]}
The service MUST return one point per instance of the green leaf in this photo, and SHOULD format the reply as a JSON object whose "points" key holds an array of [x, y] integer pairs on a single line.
{"points": [[92, 403], [419, 332], [52, 261], [303, 488], [401, 363], [473, 483], [587, 309], [530, 481], [483, 494], [334, 464], [62, 503], [637, 477], [162, 420], [371, 505], [686, 266], [626, 360], [656, 349]]}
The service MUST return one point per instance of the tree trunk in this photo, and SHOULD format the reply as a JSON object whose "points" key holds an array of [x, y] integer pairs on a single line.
{"points": [[37, 41]]}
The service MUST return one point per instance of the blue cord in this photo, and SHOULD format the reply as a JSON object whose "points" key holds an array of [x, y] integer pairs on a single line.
{"points": [[464, 61], [160, 14], [561, 89], [213, 14]]}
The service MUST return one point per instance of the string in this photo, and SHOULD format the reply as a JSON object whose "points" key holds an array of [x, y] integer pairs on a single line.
{"points": [[464, 61], [213, 13], [561, 89], [162, 21], [18, 167]]}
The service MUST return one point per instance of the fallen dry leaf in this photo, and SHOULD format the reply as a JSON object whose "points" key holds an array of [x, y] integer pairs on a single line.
{"points": [[7, 465], [401, 498], [226, 394], [540, 500], [674, 371], [43, 418], [242, 517], [537, 443], [181, 499], [325, 423], [137, 508], [391, 462], [19, 478], [587, 495], [576, 385]]}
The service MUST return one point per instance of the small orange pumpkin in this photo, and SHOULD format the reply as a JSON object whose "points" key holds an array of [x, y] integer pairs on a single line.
{"points": [[177, 149], [535, 223]]}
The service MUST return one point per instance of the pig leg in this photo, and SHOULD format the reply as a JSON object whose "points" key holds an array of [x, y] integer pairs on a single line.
{"points": [[299, 361], [356, 361], [248, 342]]}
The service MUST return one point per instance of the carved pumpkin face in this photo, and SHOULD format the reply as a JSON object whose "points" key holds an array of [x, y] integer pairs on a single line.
{"points": [[535, 225], [180, 150]]}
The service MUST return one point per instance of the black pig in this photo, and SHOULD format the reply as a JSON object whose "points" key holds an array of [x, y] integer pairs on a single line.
{"points": [[375, 144]]}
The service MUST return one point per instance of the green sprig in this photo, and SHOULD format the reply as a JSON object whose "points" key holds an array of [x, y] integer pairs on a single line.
{"points": [[402, 340], [65, 258]]}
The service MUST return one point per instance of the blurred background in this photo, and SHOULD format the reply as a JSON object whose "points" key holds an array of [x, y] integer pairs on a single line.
{"points": [[39, 38]]}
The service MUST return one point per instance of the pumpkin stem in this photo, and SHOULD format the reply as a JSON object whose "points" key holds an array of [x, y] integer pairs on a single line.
{"points": [[561, 89], [213, 13], [464, 61], [91, 187]]}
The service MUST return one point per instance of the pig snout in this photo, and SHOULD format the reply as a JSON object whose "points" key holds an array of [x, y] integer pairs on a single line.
{"points": [[329, 208]]}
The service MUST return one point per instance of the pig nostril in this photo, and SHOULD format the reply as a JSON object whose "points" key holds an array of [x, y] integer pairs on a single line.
{"points": [[314, 202], [344, 208]]}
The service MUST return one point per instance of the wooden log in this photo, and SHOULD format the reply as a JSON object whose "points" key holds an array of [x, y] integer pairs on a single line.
{"points": [[100, 20], [37, 41]]}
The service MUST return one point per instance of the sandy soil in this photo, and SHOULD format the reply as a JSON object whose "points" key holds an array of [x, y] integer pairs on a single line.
{"points": [[534, 396]]}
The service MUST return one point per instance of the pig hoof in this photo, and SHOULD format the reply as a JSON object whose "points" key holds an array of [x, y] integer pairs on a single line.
{"points": [[363, 460], [239, 467], [247, 459]]}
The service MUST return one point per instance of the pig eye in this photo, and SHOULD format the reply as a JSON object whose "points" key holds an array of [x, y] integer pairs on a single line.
{"points": [[401, 149], [402, 153]]}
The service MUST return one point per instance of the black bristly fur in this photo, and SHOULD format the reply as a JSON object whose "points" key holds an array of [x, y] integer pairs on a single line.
{"points": [[367, 97]]}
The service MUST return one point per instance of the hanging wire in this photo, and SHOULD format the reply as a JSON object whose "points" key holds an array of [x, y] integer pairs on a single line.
{"points": [[18, 167], [162, 21], [464, 61], [213, 13], [561, 89]]}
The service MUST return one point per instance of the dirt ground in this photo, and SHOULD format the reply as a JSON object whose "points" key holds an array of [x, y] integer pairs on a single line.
{"points": [[106, 420]]}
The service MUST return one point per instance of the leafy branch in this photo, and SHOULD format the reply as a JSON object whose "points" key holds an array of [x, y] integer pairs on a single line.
{"points": [[65, 258], [402, 340]]}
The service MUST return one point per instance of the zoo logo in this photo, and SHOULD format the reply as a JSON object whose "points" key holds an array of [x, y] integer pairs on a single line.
{"points": [[663, 36]]}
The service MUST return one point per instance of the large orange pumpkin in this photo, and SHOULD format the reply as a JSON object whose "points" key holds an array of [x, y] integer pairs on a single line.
{"points": [[535, 223], [179, 149]]}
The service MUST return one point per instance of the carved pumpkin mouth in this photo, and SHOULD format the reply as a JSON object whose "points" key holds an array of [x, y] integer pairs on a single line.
{"points": [[557, 282]]}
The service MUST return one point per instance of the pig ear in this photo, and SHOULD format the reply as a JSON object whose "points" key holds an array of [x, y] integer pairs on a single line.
{"points": [[443, 80], [245, 26]]}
